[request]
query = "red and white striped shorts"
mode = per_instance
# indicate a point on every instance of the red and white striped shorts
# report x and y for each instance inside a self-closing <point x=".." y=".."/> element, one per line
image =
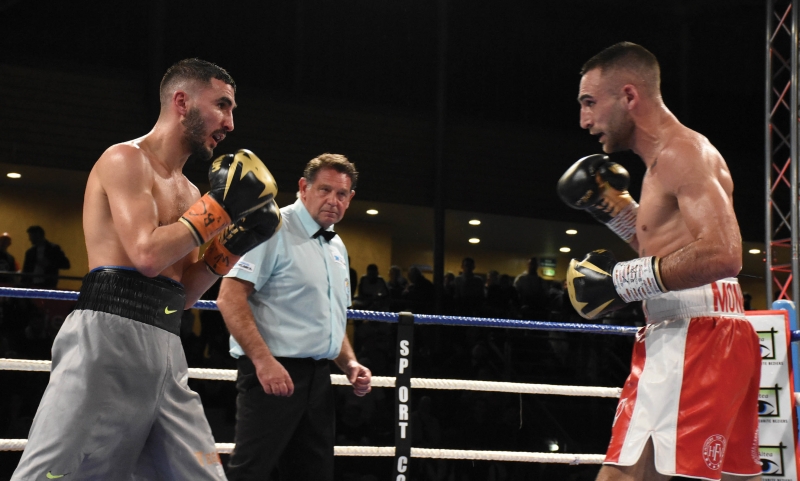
<point x="693" y="387"/>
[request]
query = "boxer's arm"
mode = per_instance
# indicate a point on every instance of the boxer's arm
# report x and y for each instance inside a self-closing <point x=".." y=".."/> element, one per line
<point x="127" y="179"/>
<point x="707" y="211"/>
<point x="196" y="278"/>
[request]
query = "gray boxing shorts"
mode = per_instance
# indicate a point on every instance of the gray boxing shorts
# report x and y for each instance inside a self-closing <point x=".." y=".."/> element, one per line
<point x="118" y="406"/>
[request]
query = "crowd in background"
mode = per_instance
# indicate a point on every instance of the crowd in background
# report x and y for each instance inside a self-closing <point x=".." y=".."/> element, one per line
<point x="446" y="419"/>
<point x="526" y="296"/>
<point x="42" y="263"/>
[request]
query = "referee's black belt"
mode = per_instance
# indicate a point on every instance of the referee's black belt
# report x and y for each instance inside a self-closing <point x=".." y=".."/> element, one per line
<point x="298" y="360"/>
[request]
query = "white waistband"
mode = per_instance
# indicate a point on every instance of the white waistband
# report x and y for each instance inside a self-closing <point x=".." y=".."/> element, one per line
<point x="720" y="298"/>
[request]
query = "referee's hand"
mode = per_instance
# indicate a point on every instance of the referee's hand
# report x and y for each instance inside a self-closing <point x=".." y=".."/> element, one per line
<point x="274" y="378"/>
<point x="360" y="377"/>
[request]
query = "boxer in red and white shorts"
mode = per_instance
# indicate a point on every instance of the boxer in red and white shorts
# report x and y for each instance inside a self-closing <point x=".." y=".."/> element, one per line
<point x="682" y="391"/>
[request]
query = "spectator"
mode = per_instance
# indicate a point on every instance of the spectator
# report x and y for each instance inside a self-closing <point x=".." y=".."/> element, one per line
<point x="566" y="313"/>
<point x="532" y="292"/>
<point x="7" y="261"/>
<point x="43" y="260"/>
<point x="468" y="290"/>
<point x="449" y="293"/>
<point x="397" y="283"/>
<point x="420" y="293"/>
<point x="372" y="291"/>
<point x="495" y="305"/>
<point x="508" y="294"/>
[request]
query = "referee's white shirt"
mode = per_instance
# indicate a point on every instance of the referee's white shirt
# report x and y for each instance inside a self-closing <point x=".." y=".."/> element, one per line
<point x="302" y="289"/>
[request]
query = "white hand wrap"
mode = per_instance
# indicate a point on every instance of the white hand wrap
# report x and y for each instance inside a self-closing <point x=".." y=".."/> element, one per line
<point x="638" y="279"/>
<point x="624" y="224"/>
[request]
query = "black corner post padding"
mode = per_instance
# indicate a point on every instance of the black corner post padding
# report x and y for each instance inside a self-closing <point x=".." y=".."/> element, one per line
<point x="402" y="400"/>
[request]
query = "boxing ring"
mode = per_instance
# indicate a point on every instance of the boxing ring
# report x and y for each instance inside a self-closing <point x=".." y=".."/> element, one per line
<point x="402" y="383"/>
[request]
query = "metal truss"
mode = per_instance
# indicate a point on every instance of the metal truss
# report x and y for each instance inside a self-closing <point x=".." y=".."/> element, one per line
<point x="781" y="151"/>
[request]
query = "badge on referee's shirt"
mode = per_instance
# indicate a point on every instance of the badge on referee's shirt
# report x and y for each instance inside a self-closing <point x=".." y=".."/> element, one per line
<point x="337" y="256"/>
<point x="245" y="266"/>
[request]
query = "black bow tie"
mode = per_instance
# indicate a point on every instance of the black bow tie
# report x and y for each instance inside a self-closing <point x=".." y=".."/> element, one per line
<point x="327" y="234"/>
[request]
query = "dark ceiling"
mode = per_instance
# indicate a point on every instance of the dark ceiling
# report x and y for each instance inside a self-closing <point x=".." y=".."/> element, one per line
<point x="508" y="62"/>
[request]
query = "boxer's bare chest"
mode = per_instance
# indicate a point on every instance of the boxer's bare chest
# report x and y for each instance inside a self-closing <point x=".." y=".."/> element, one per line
<point x="172" y="197"/>
<point x="659" y="227"/>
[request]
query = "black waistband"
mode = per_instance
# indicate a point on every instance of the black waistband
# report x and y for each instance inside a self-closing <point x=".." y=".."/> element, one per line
<point x="127" y="293"/>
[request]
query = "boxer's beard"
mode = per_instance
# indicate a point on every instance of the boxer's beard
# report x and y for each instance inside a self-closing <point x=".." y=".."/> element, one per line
<point x="619" y="132"/>
<point x="195" y="135"/>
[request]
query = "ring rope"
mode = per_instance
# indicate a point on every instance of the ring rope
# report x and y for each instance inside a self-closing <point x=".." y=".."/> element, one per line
<point x="386" y="451"/>
<point x="381" y="381"/>
<point x="388" y="316"/>
<point x="379" y="315"/>
<point x="378" y="381"/>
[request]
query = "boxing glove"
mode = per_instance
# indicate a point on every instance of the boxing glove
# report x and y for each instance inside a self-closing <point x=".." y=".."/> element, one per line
<point x="599" y="284"/>
<point x="240" y="184"/>
<point x="600" y="187"/>
<point x="237" y="239"/>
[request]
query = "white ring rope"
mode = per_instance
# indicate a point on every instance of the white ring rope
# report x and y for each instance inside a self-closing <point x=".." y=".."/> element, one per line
<point x="227" y="448"/>
<point x="378" y="381"/>
<point x="383" y="381"/>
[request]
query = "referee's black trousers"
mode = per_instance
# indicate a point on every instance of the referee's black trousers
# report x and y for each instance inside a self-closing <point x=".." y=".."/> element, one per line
<point x="284" y="438"/>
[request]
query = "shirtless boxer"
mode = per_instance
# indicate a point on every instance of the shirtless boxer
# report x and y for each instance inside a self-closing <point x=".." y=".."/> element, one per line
<point x="118" y="405"/>
<point x="681" y="412"/>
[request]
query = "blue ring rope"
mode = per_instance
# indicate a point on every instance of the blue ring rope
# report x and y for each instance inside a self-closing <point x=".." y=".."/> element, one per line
<point x="388" y="316"/>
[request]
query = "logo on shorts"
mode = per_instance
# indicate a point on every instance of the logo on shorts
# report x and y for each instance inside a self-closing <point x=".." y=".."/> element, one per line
<point x="641" y="334"/>
<point x="208" y="459"/>
<point x="620" y="408"/>
<point x="50" y="475"/>
<point x="727" y="297"/>
<point x="168" y="312"/>
<point x="714" y="451"/>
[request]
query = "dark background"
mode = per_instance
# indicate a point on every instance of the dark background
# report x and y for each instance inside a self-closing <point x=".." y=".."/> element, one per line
<point x="510" y="67"/>
<point x="360" y="77"/>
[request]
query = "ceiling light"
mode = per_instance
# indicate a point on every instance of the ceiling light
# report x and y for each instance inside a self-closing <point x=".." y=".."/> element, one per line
<point x="571" y="232"/>
<point x="474" y="222"/>
<point x="754" y="251"/>
<point x="13" y="175"/>
<point x="474" y="240"/>
<point x="564" y="249"/>
<point x="372" y="212"/>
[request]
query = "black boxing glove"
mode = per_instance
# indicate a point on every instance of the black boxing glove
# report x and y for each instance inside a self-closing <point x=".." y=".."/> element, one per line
<point x="240" y="184"/>
<point x="600" y="187"/>
<point x="599" y="284"/>
<point x="236" y="240"/>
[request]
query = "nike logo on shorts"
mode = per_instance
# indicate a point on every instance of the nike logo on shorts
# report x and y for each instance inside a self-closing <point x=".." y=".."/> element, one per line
<point x="50" y="475"/>
<point x="167" y="311"/>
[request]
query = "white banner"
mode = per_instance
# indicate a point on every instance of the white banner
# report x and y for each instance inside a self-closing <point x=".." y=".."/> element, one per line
<point x="777" y="432"/>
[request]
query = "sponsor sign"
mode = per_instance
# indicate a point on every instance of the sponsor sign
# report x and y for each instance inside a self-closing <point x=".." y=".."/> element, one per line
<point x="777" y="446"/>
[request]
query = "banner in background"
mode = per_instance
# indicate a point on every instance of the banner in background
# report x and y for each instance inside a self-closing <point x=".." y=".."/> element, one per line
<point x="777" y="430"/>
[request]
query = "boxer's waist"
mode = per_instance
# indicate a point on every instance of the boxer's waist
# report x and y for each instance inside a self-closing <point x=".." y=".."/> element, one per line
<point x="127" y="293"/>
<point x="720" y="298"/>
